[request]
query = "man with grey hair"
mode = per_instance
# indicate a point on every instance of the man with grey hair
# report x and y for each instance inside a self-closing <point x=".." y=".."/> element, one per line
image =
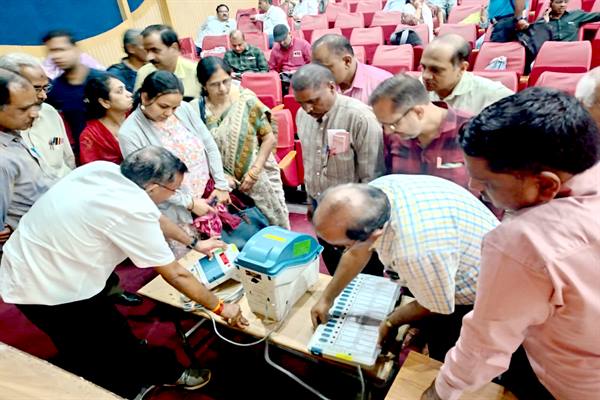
<point x="127" y="69"/>
<point x="588" y="92"/>
<point x="341" y="139"/>
<point x="47" y="136"/>
<point x="427" y="230"/>
<point x="57" y="262"/>
<point x="421" y="135"/>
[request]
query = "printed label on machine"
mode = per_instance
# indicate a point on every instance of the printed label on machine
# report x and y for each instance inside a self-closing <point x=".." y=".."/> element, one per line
<point x="212" y="272"/>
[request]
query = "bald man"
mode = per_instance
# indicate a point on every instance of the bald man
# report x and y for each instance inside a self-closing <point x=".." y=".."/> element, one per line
<point x="588" y="92"/>
<point x="244" y="57"/>
<point x="445" y="62"/>
<point x="426" y="229"/>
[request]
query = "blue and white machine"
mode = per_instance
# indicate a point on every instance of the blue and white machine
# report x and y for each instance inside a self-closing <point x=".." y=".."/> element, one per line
<point x="277" y="267"/>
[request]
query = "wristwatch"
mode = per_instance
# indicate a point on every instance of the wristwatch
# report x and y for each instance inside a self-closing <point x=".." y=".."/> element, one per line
<point x="193" y="244"/>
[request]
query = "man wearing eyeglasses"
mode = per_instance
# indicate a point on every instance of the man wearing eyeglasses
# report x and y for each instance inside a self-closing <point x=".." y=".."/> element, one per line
<point x="47" y="135"/>
<point x="420" y="135"/>
<point x="425" y="229"/>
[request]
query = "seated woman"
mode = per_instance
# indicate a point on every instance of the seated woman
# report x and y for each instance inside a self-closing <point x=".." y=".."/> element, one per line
<point x="565" y="24"/>
<point x="107" y="105"/>
<point x="162" y="119"/>
<point x="241" y="127"/>
<point x="417" y="12"/>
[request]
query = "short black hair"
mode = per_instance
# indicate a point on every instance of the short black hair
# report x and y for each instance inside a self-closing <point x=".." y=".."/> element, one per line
<point x="8" y="78"/>
<point x="167" y="35"/>
<point x="222" y="5"/>
<point x="59" y="33"/>
<point x="207" y="67"/>
<point x="96" y="88"/>
<point x="152" y="164"/>
<point x="531" y="131"/>
<point x="402" y="90"/>
<point x="158" y="83"/>
<point x="336" y="44"/>
<point x="311" y="76"/>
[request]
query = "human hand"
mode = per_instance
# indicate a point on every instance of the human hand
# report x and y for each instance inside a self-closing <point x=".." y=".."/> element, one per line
<point x="5" y="233"/>
<point x="222" y="196"/>
<point x="521" y="25"/>
<point x="232" y="313"/>
<point x="547" y="15"/>
<point x="201" y="207"/>
<point x="387" y="332"/>
<point x="207" y="246"/>
<point x="247" y="183"/>
<point x="319" y="314"/>
<point x="430" y="393"/>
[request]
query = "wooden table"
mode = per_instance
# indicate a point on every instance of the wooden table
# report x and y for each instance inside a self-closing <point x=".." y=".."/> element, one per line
<point x="25" y="377"/>
<point x="295" y="331"/>
<point x="417" y="373"/>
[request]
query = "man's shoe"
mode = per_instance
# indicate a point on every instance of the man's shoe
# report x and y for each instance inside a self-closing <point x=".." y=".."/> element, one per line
<point x="127" y="299"/>
<point x="193" y="379"/>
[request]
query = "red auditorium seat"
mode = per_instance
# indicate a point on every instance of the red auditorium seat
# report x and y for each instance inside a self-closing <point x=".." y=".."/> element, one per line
<point x="510" y="79"/>
<point x="245" y="11"/>
<point x="561" y="57"/>
<point x="459" y="13"/>
<point x="266" y="85"/>
<point x="421" y="29"/>
<point x="394" y="59"/>
<point x="293" y="174"/>
<point x="370" y="38"/>
<point x="368" y="8"/>
<point x="360" y="54"/>
<point x="565" y="81"/>
<point x="210" y="42"/>
<point x="332" y="11"/>
<point x="258" y="39"/>
<point x="346" y="22"/>
<point x="513" y="51"/>
<point x="467" y="31"/>
<point x="188" y="48"/>
<point x="311" y="22"/>
<point x="387" y="20"/>
<point x="318" y="33"/>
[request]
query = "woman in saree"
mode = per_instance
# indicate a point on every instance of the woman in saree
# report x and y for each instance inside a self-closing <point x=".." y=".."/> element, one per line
<point x="107" y="104"/>
<point x="162" y="119"/>
<point x="242" y="128"/>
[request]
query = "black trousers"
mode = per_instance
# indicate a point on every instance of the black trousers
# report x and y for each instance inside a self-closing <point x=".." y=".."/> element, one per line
<point x="95" y="341"/>
<point x="521" y="380"/>
<point x="332" y="255"/>
<point x="441" y="331"/>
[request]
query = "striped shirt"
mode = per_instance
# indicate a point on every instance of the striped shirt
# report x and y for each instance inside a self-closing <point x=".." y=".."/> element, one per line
<point x="363" y="161"/>
<point x="433" y="240"/>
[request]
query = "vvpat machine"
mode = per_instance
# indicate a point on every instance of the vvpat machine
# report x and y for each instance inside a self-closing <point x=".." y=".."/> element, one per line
<point x="277" y="267"/>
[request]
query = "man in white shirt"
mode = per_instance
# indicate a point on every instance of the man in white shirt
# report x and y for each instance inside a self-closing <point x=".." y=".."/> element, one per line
<point x="216" y="26"/>
<point x="47" y="135"/>
<point x="305" y="7"/>
<point x="58" y="260"/>
<point x="272" y="16"/>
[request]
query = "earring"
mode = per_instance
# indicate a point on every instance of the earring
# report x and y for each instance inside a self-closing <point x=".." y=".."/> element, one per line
<point x="143" y="107"/>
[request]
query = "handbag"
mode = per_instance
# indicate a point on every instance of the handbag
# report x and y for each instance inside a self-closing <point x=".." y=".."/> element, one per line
<point x="252" y="221"/>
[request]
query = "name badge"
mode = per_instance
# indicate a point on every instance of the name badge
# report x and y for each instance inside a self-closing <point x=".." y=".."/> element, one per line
<point x="251" y="58"/>
<point x="297" y="53"/>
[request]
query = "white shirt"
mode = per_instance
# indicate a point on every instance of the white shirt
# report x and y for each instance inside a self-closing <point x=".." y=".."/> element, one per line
<point x="425" y="14"/>
<point x="305" y="7"/>
<point x="274" y="16"/>
<point x="72" y="238"/>
<point x="214" y="27"/>
<point x="50" y="140"/>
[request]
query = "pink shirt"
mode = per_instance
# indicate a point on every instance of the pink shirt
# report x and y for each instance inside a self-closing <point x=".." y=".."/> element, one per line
<point x="292" y="58"/>
<point x="539" y="285"/>
<point x="366" y="79"/>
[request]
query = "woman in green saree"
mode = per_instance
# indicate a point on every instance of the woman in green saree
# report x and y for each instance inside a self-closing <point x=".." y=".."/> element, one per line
<point x="242" y="128"/>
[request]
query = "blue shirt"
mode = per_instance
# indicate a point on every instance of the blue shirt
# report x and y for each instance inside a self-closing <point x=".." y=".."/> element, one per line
<point x="433" y="239"/>
<point x="501" y="8"/>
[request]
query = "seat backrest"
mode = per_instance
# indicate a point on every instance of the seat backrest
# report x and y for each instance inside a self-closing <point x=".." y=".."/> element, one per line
<point x="210" y="42"/>
<point x="394" y="59"/>
<point x="368" y="8"/>
<point x="285" y="128"/>
<point x="510" y="79"/>
<point x="421" y="29"/>
<point x="311" y="22"/>
<point x="333" y="9"/>
<point x="566" y="82"/>
<point x="188" y="48"/>
<point x="387" y="20"/>
<point x="347" y="20"/>
<point x="318" y="33"/>
<point x="467" y="31"/>
<point x="370" y="38"/>
<point x="258" y="39"/>
<point x="564" y="53"/>
<point x="596" y="6"/>
<point x="245" y="24"/>
<point x="245" y="12"/>
<point x="360" y="54"/>
<point x="513" y="51"/>
<point x="469" y="13"/>
<point x="263" y="83"/>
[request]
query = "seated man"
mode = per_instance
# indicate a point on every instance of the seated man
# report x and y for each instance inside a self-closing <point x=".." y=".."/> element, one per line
<point x="536" y="313"/>
<point x="271" y="17"/>
<point x="215" y="26"/>
<point x="358" y="157"/>
<point x="162" y="45"/>
<point x="445" y="76"/>
<point x="136" y="57"/>
<point x="426" y="229"/>
<point x="288" y="53"/>
<point x="244" y="57"/>
<point x="303" y="8"/>
<point x="588" y="92"/>
<point x="56" y="264"/>
<point x="47" y="135"/>
<point x="565" y="24"/>
<point x="421" y="135"/>
<point x="355" y="79"/>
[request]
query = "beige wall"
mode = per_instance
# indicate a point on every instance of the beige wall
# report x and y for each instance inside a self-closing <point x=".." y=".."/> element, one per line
<point x="184" y="15"/>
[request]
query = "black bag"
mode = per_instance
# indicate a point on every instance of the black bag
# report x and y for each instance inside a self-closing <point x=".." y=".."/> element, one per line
<point x="253" y="220"/>
<point x="406" y="36"/>
<point x="534" y="37"/>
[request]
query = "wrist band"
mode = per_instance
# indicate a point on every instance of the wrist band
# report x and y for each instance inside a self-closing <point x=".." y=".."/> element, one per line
<point x="193" y="244"/>
<point x="219" y="308"/>
<point x="388" y="323"/>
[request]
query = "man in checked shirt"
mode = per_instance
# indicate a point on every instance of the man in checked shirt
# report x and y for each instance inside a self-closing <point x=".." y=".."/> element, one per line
<point x="341" y="139"/>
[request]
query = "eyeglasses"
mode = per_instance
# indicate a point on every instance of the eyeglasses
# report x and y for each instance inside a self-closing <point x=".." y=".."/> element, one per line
<point x="45" y="88"/>
<point x="168" y="188"/>
<point x="215" y="85"/>
<point x="395" y="124"/>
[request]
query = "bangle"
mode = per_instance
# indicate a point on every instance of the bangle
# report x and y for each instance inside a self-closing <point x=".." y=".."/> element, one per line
<point x="219" y="308"/>
<point x="253" y="175"/>
<point x="388" y="323"/>
<point x="193" y="205"/>
<point x="193" y="243"/>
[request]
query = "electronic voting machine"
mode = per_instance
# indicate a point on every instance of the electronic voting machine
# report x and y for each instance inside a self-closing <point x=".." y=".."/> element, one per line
<point x="351" y="334"/>
<point x="216" y="270"/>
<point x="277" y="267"/>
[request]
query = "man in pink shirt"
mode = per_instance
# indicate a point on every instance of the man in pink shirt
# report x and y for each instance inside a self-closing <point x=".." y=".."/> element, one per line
<point x="354" y="78"/>
<point x="534" y="153"/>
<point x="288" y="53"/>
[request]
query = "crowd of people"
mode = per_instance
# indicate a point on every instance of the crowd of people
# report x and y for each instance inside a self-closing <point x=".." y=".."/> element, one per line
<point x="481" y="203"/>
